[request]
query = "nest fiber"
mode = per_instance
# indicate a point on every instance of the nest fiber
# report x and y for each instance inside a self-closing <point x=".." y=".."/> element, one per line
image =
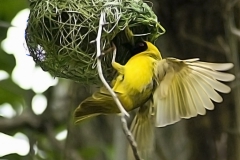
<point x="60" y="32"/>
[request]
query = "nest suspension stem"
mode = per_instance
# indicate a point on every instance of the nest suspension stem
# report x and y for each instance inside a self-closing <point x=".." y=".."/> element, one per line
<point x="99" y="67"/>
<point x="122" y="110"/>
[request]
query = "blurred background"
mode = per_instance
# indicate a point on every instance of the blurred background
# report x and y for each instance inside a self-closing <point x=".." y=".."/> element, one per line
<point x="36" y="110"/>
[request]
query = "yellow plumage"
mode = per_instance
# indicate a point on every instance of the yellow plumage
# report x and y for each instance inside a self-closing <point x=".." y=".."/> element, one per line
<point x="166" y="90"/>
<point x="133" y="86"/>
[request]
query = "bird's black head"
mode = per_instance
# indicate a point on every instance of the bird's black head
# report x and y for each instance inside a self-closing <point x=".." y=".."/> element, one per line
<point x="138" y="47"/>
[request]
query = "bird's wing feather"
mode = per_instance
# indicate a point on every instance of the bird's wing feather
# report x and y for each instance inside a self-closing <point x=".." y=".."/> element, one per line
<point x="187" y="88"/>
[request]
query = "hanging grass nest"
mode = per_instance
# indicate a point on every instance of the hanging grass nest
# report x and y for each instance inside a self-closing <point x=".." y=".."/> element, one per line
<point x="60" y="32"/>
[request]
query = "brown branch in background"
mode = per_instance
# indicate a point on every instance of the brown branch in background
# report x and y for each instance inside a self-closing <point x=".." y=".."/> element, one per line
<point x="4" y="24"/>
<point x="122" y="110"/>
<point x="230" y="5"/>
<point x="233" y="42"/>
<point x="36" y="123"/>
<point x="235" y="31"/>
<point x="200" y="41"/>
<point x="27" y="118"/>
<point x="232" y="25"/>
<point x="225" y="47"/>
<point x="70" y="152"/>
<point x="51" y="137"/>
<point x="227" y="51"/>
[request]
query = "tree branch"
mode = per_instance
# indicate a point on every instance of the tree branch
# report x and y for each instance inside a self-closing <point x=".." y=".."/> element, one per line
<point x="99" y="67"/>
<point x="4" y="24"/>
<point x="200" y="41"/>
<point x="51" y="136"/>
<point x="233" y="43"/>
<point x="232" y="25"/>
<point x="27" y="118"/>
<point x="122" y="110"/>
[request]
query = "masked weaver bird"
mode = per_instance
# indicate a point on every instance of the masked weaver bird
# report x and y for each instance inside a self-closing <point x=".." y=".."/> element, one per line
<point x="164" y="90"/>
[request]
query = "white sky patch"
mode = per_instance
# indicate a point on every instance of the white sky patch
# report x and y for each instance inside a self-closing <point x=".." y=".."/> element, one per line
<point x="25" y="74"/>
<point x="7" y="111"/>
<point x="61" y="135"/>
<point x="18" y="144"/>
<point x="3" y="75"/>
<point x="21" y="136"/>
<point x="41" y="80"/>
<point x="39" y="104"/>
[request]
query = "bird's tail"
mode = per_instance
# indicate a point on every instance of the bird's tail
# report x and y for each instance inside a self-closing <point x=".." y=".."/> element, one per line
<point x="101" y="102"/>
<point x="142" y="129"/>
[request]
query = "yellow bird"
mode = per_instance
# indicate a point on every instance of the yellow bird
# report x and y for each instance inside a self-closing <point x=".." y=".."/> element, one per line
<point x="134" y="85"/>
<point x="166" y="90"/>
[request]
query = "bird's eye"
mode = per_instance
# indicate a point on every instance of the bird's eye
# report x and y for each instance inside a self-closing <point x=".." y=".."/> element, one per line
<point x="139" y="47"/>
<point x="141" y="44"/>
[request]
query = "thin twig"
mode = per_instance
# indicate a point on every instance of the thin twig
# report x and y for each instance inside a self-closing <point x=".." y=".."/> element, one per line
<point x="4" y="24"/>
<point x="99" y="67"/>
<point x="122" y="110"/>
<point x="130" y="138"/>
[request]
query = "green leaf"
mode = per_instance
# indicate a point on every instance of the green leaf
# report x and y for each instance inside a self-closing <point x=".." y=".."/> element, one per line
<point x="12" y="156"/>
<point x="7" y="62"/>
<point x="9" y="8"/>
<point x="11" y="93"/>
<point x="90" y="152"/>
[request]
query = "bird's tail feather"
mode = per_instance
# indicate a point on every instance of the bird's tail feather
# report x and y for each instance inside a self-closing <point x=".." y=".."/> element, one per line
<point x="142" y="129"/>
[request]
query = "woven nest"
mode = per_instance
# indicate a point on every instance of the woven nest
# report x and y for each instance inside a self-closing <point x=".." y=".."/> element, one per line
<point x="59" y="33"/>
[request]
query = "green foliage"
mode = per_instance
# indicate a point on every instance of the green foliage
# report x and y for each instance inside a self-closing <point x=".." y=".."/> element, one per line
<point x="11" y="93"/>
<point x="7" y="62"/>
<point x="90" y="152"/>
<point x="13" y="156"/>
<point x="9" y="8"/>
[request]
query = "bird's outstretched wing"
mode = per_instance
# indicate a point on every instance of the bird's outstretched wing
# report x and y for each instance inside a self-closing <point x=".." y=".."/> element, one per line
<point x="187" y="88"/>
